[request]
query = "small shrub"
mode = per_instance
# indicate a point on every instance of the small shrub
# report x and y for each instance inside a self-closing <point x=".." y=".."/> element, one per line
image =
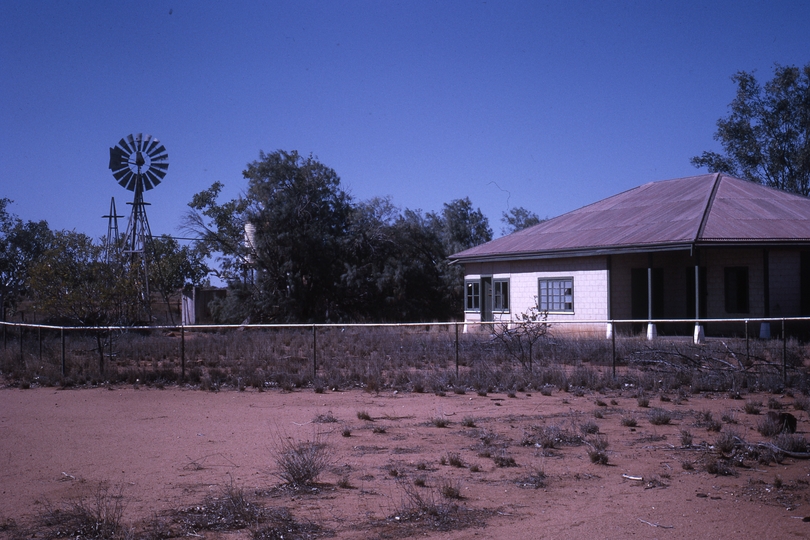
<point x="597" y="450"/>
<point x="454" y="460"/>
<point x="600" y="403"/>
<point x="440" y="422"/>
<point x="589" y="428"/>
<point x="475" y="468"/>
<point x="546" y="389"/>
<point x="629" y="421"/>
<point x="379" y="430"/>
<point x="504" y="461"/>
<point x="450" y="490"/>
<point x="598" y="414"/>
<point x="660" y="417"/>
<point x="768" y="427"/>
<point x="643" y="401"/>
<point x="790" y="442"/>
<point x="686" y="438"/>
<point x="752" y="407"/>
<point x="725" y="442"/>
<point x="300" y="463"/>
<point x="420" y="481"/>
<point x="536" y="480"/>
<point x="422" y="466"/>
<point x="719" y="467"/>
<point x="98" y="517"/>
<point x="777" y="482"/>
<point x="801" y="403"/>
<point x="687" y="465"/>
<point x="459" y="390"/>
<point x="482" y="392"/>
<point x="327" y="418"/>
<point x="363" y="415"/>
<point x="344" y="482"/>
<point x="347" y="432"/>
<point x="468" y="421"/>
<point x="774" y="404"/>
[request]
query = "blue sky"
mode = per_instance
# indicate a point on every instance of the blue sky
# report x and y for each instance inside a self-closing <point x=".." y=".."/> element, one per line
<point x="545" y="105"/>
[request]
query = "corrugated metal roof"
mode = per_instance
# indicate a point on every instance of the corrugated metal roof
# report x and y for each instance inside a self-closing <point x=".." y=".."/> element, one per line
<point x="662" y="215"/>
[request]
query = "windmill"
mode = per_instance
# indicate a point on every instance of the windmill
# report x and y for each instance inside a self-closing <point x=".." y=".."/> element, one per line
<point x="138" y="163"/>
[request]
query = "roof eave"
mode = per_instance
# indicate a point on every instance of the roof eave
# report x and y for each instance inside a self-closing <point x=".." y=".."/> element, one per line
<point x="639" y="248"/>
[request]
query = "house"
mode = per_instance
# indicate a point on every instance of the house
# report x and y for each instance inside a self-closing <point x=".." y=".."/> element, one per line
<point x="702" y="247"/>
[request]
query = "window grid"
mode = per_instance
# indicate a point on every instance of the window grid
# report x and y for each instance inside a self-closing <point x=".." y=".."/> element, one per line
<point x="500" y="295"/>
<point x="472" y="295"/>
<point x="556" y="295"/>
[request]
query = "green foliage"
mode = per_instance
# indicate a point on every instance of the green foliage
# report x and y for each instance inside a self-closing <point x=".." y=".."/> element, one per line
<point x="517" y="219"/>
<point x="766" y="137"/>
<point x="21" y="243"/>
<point x="174" y="267"/>
<point x="318" y="256"/>
<point x="71" y="283"/>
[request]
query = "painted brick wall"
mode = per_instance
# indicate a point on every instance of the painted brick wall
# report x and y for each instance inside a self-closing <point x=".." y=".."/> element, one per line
<point x="590" y="287"/>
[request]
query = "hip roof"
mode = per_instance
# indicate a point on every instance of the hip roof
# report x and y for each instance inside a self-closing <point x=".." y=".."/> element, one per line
<point x="711" y="209"/>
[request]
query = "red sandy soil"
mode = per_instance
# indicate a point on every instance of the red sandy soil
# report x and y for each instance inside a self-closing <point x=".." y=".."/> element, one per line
<point x="168" y="450"/>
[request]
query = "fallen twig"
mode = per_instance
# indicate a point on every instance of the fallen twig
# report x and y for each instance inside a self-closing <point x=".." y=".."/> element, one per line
<point x="651" y="524"/>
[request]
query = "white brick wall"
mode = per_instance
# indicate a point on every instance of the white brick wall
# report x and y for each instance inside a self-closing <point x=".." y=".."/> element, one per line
<point x="590" y="287"/>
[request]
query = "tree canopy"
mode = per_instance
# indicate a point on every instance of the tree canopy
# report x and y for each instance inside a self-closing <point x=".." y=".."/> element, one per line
<point x="21" y="244"/>
<point x="766" y="136"/>
<point x="295" y="247"/>
<point x="517" y="219"/>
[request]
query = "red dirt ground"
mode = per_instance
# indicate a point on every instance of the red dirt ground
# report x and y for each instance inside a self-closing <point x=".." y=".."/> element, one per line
<point x="169" y="449"/>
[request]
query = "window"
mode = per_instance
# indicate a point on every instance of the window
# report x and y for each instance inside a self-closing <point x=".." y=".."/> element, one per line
<point x="500" y="295"/>
<point x="556" y="295"/>
<point x="472" y="295"/>
<point x="736" y="286"/>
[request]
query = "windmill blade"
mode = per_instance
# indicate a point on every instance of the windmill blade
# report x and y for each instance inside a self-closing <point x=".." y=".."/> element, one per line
<point x="117" y="159"/>
<point x="152" y="144"/>
<point x="153" y="179"/>
<point x="146" y="183"/>
<point x="129" y="181"/>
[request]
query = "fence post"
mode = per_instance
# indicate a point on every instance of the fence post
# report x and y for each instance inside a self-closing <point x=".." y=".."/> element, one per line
<point x="182" y="353"/>
<point x="456" y="350"/>
<point x="747" y="346"/>
<point x="613" y="339"/>
<point x="39" y="339"/>
<point x="101" y="356"/>
<point x="784" y="354"/>
<point x="22" y="358"/>
<point x="64" y="366"/>
<point x="314" y="351"/>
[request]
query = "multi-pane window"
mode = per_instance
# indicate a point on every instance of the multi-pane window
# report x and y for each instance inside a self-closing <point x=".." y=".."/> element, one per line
<point x="500" y="295"/>
<point x="472" y="296"/>
<point x="736" y="285"/>
<point x="556" y="294"/>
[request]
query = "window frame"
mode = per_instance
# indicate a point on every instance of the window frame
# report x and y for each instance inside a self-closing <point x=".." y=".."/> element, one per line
<point x="551" y="305"/>
<point x="472" y="291"/>
<point x="498" y="283"/>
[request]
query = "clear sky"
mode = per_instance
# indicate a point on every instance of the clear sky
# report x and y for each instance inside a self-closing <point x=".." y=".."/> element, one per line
<point x="545" y="105"/>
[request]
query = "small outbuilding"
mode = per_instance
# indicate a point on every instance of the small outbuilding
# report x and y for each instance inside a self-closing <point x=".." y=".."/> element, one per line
<point x="688" y="249"/>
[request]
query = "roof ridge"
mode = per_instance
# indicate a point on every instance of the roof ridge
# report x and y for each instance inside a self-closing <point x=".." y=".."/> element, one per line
<point x="708" y="209"/>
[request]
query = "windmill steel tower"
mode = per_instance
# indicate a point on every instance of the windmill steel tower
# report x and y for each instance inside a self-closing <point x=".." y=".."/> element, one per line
<point x="139" y="163"/>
